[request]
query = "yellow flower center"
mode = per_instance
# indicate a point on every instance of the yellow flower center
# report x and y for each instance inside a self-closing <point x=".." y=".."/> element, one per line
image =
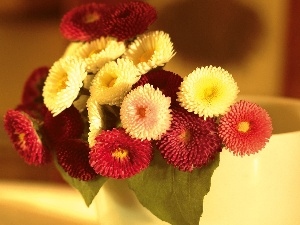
<point x="146" y="56"/>
<point x="91" y="17"/>
<point x="95" y="51"/>
<point x="21" y="140"/>
<point x="185" y="136"/>
<point x="243" y="126"/>
<point x="120" y="154"/>
<point x="110" y="80"/>
<point x="62" y="83"/>
<point x="210" y="93"/>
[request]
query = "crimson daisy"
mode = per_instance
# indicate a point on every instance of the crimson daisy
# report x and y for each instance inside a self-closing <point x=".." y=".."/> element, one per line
<point x="167" y="81"/>
<point x="24" y="134"/>
<point x="246" y="128"/>
<point x="115" y="154"/>
<point x="73" y="156"/>
<point x="68" y="124"/>
<point x="85" y="22"/>
<point x="190" y="142"/>
<point x="129" y="19"/>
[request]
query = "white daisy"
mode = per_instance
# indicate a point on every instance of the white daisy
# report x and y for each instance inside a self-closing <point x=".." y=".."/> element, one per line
<point x="100" y="51"/>
<point x="208" y="91"/>
<point x="150" y="50"/>
<point x="113" y="81"/>
<point x="95" y="117"/>
<point x="63" y="83"/>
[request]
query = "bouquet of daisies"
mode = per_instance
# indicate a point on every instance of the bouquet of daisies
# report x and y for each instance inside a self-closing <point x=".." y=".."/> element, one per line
<point x="107" y="109"/>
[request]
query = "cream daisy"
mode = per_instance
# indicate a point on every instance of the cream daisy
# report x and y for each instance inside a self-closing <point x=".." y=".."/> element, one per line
<point x="100" y="51"/>
<point x="145" y="113"/>
<point x="208" y="91"/>
<point x="72" y="48"/>
<point x="63" y="83"/>
<point x="150" y="50"/>
<point x="95" y="117"/>
<point x="114" y="81"/>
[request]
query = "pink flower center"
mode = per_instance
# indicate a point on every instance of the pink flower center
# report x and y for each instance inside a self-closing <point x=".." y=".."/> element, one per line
<point x="120" y="154"/>
<point x="243" y="126"/>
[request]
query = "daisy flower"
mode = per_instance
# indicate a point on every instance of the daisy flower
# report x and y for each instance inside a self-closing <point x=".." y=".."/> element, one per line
<point x="191" y="142"/>
<point x="145" y="113"/>
<point x="113" y="81"/>
<point x="150" y="50"/>
<point x="168" y="82"/>
<point x="63" y="83"/>
<point x="100" y="51"/>
<point x="84" y="23"/>
<point x="208" y="91"/>
<point x="119" y="156"/>
<point x="68" y="124"/>
<point x="95" y="117"/>
<point x="128" y="19"/>
<point x="73" y="156"/>
<point x="246" y="128"/>
<point x="24" y="134"/>
<point x="33" y="88"/>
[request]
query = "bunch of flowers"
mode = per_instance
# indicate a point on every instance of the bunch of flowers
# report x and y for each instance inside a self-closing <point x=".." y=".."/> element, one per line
<point x="108" y="109"/>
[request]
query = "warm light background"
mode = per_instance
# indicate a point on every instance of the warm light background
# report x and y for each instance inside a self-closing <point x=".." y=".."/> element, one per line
<point x="246" y="37"/>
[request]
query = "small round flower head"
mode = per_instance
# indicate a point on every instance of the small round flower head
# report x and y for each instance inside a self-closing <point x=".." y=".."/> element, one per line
<point x="84" y="23"/>
<point x="33" y="88"/>
<point x="246" y="128"/>
<point x="145" y="113"/>
<point x="95" y="117"/>
<point x="73" y="156"/>
<point x="150" y="50"/>
<point x="113" y="81"/>
<point x="100" y="51"/>
<point x="119" y="156"/>
<point x="63" y="83"/>
<point x="168" y="82"/>
<point x="191" y="142"/>
<point x="68" y="124"/>
<point x="208" y="91"/>
<point x="25" y="138"/>
<point x="129" y="19"/>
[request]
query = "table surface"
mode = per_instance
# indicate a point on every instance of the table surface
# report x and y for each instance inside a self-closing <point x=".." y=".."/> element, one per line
<point x="38" y="203"/>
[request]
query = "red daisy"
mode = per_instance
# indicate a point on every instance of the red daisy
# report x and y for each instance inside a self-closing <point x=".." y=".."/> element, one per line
<point x="73" y="156"/>
<point x="129" y="19"/>
<point x="190" y="142"/>
<point x="26" y="140"/>
<point x="85" y="22"/>
<point x="68" y="124"/>
<point x="168" y="82"/>
<point x="246" y="128"/>
<point x="119" y="156"/>
<point x="33" y="88"/>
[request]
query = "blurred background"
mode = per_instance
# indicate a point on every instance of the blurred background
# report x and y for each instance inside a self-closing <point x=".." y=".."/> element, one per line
<point x="258" y="42"/>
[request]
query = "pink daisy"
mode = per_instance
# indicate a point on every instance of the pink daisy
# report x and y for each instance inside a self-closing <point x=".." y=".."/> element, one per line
<point x="246" y="128"/>
<point x="84" y="23"/>
<point x="190" y="142"/>
<point x="26" y="140"/>
<point x="129" y="19"/>
<point x="117" y="155"/>
<point x="68" y="124"/>
<point x="73" y="156"/>
<point x="168" y="82"/>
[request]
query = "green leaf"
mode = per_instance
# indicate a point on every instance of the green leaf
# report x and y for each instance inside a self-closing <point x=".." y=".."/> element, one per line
<point x="172" y="195"/>
<point x="88" y="189"/>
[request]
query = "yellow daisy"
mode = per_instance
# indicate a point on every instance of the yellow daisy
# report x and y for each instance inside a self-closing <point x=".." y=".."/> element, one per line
<point x="208" y="91"/>
<point x="63" y="83"/>
<point x="113" y="81"/>
<point x="150" y="50"/>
